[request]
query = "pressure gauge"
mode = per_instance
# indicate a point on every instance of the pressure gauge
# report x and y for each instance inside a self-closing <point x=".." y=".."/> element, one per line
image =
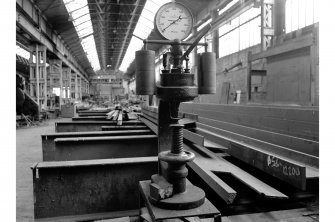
<point x="174" y="21"/>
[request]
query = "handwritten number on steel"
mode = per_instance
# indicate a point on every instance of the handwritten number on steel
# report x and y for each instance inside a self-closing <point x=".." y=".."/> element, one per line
<point x="287" y="170"/>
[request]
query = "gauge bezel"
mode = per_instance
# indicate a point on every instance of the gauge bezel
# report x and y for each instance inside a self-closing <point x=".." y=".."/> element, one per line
<point x="166" y="5"/>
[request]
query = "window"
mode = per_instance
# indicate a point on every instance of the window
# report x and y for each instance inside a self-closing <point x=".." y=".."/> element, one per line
<point x="240" y="33"/>
<point x="22" y="52"/>
<point x="300" y="13"/>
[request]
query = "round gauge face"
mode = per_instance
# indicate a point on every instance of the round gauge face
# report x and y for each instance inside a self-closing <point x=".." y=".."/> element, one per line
<point x="174" y="21"/>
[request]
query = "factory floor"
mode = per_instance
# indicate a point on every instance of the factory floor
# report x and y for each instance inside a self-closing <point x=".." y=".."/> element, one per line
<point x="28" y="152"/>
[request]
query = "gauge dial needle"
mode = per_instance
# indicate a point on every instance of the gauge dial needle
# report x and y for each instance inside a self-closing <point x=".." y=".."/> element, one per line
<point x="179" y="18"/>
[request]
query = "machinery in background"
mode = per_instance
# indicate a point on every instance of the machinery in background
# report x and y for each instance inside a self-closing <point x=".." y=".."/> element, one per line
<point x="26" y="108"/>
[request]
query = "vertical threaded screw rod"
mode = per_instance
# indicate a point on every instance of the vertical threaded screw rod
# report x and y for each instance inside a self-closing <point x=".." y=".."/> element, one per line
<point x="177" y="138"/>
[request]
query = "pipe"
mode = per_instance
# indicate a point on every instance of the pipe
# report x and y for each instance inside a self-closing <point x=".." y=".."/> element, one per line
<point x="196" y="41"/>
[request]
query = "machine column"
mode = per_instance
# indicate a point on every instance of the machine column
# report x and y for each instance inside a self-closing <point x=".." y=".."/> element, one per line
<point x="80" y="90"/>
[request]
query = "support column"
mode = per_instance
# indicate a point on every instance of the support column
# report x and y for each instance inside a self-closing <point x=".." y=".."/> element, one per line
<point x="61" y="86"/>
<point x="31" y="75"/>
<point x="279" y="17"/>
<point x="266" y="23"/>
<point x="85" y="86"/>
<point x="76" y="87"/>
<point x="194" y="54"/>
<point x="51" y="88"/>
<point x="66" y="77"/>
<point x="81" y="89"/>
<point x="65" y="84"/>
<point x="55" y="71"/>
<point x="70" y="84"/>
<point x="215" y="34"/>
<point x="37" y="74"/>
<point x="45" y="77"/>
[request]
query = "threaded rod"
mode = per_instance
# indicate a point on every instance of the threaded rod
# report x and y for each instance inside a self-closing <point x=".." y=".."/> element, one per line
<point x="177" y="138"/>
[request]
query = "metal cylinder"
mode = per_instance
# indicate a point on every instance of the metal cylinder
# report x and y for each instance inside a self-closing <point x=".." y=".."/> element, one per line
<point x="207" y="73"/>
<point x="172" y="79"/>
<point x="145" y="72"/>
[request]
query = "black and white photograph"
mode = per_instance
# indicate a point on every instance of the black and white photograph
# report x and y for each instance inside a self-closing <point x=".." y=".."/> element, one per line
<point x="167" y="110"/>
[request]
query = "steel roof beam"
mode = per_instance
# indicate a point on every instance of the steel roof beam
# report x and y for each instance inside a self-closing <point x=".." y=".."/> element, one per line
<point x="52" y="46"/>
<point x="123" y="46"/>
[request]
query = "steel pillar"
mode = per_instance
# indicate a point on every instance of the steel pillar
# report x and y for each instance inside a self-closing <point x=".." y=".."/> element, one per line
<point x="215" y="34"/>
<point x="76" y="87"/>
<point x="45" y="77"/>
<point x="37" y="76"/>
<point x="38" y="81"/>
<point x="266" y="23"/>
<point x="66" y="81"/>
<point x="81" y="89"/>
<point x="54" y="74"/>
<point x="31" y="75"/>
<point x="70" y="85"/>
<point x="61" y="87"/>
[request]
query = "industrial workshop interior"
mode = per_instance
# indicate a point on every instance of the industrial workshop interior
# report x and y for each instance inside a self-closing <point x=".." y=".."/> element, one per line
<point x="167" y="110"/>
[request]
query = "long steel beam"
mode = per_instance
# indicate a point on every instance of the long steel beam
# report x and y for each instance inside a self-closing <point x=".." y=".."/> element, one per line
<point x="49" y="145"/>
<point x="66" y="188"/>
<point x="90" y="118"/>
<point x="205" y="166"/>
<point x="81" y="126"/>
<point x="294" y="121"/>
<point x="287" y="164"/>
<point x="105" y="147"/>
<point x="91" y="114"/>
<point x="295" y="143"/>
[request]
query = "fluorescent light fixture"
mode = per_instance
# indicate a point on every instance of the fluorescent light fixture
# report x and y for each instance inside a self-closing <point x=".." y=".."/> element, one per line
<point x="80" y="16"/>
<point x="142" y="30"/>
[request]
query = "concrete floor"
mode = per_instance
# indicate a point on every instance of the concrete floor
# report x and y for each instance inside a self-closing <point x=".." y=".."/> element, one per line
<point x="28" y="152"/>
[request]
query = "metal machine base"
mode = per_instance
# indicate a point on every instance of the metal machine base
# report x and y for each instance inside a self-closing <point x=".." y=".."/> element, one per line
<point x="206" y="210"/>
<point x="193" y="197"/>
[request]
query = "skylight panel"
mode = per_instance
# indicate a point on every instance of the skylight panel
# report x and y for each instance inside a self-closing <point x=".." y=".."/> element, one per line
<point x="79" y="12"/>
<point x="80" y="16"/>
<point x="85" y="31"/>
<point x="228" y="6"/>
<point x="22" y="52"/>
<point x="80" y="19"/>
<point x="83" y="26"/>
